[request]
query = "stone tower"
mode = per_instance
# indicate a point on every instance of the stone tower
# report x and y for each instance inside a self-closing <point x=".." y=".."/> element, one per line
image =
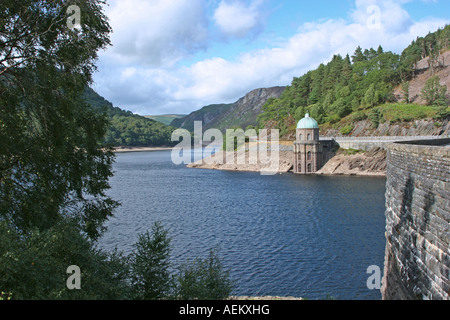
<point x="307" y="148"/>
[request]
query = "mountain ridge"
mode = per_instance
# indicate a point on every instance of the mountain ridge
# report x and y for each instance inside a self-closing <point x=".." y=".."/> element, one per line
<point x="242" y="113"/>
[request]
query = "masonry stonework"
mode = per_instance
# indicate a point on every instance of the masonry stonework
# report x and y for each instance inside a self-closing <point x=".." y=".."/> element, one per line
<point x="417" y="262"/>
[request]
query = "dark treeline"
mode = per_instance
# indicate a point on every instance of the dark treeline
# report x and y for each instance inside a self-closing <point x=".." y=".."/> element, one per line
<point x="126" y="128"/>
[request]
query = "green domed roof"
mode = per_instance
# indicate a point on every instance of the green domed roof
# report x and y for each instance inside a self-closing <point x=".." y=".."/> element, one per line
<point x="307" y="123"/>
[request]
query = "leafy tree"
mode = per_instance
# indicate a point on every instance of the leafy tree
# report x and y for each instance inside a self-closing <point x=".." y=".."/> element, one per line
<point x="54" y="167"/>
<point x="299" y="113"/>
<point x="405" y="91"/>
<point x="204" y="279"/>
<point x="434" y="93"/>
<point x="318" y="113"/>
<point x="51" y="165"/>
<point x="375" y="117"/>
<point x="151" y="278"/>
<point x="347" y="129"/>
<point x="358" y="56"/>
<point x="370" y="98"/>
<point x="36" y="268"/>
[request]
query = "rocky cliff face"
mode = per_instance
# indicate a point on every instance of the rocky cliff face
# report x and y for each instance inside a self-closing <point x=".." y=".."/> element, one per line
<point x="424" y="127"/>
<point x="423" y="73"/>
<point x="245" y="111"/>
<point x="206" y="115"/>
<point x="242" y="113"/>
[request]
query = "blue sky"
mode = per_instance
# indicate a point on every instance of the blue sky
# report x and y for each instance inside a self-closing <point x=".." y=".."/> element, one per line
<point x="175" y="56"/>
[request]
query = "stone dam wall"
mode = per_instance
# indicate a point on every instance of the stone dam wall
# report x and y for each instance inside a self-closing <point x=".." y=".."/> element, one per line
<point x="417" y="262"/>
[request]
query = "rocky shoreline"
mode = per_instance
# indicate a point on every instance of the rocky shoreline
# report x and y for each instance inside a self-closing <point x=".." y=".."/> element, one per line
<point x="369" y="163"/>
<point x="252" y="163"/>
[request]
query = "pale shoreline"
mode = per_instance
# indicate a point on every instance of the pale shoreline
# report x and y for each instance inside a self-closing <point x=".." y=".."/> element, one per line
<point x="371" y="163"/>
<point x="339" y="165"/>
<point x="140" y="149"/>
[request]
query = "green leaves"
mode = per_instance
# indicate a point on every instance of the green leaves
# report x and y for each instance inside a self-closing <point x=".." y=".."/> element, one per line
<point x="151" y="278"/>
<point x="125" y="128"/>
<point x="34" y="267"/>
<point x="434" y="93"/>
<point x="204" y="279"/>
<point x="50" y="162"/>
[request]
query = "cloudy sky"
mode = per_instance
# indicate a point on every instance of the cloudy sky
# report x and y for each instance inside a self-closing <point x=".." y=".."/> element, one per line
<point x="175" y="56"/>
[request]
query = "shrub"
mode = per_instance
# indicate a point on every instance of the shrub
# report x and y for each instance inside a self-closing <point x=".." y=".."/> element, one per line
<point x="204" y="279"/>
<point x="434" y="93"/>
<point x="359" y="116"/>
<point x="150" y="277"/>
<point x="34" y="266"/>
<point x="347" y="129"/>
<point x="442" y="114"/>
<point x="333" y="119"/>
<point x="374" y="117"/>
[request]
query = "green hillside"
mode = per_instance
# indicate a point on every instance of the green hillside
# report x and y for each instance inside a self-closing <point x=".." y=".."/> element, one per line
<point x="128" y="129"/>
<point x="352" y="87"/>
<point x="166" y="118"/>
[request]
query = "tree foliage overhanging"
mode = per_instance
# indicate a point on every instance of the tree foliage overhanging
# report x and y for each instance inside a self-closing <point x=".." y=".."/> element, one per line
<point x="362" y="81"/>
<point x="51" y="165"/>
<point x="54" y="166"/>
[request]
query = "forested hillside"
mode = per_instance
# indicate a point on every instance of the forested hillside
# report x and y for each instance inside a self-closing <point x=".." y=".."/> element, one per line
<point x="126" y="128"/>
<point x="354" y="86"/>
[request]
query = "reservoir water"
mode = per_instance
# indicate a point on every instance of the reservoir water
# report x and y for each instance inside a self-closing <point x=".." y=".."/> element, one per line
<point x="283" y="235"/>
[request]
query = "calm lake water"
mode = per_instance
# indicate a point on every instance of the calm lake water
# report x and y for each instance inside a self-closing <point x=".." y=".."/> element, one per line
<point x="285" y="235"/>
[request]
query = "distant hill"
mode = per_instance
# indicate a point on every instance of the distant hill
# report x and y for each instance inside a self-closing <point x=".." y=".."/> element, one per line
<point x="129" y="129"/>
<point x="206" y="114"/>
<point x="166" y="118"/>
<point x="242" y="113"/>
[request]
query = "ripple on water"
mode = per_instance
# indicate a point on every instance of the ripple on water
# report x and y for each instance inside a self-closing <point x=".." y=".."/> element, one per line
<point x="283" y="235"/>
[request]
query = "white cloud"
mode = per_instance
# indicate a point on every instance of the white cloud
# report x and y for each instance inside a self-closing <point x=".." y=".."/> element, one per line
<point x="172" y="89"/>
<point x="157" y="32"/>
<point x="237" y="19"/>
<point x="383" y="14"/>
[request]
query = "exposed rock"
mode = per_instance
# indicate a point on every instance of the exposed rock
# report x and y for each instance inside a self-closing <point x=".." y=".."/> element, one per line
<point x="423" y="73"/>
<point x="247" y="109"/>
<point x="242" y="113"/>
<point x="424" y="127"/>
<point x="220" y="162"/>
<point x="372" y="162"/>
